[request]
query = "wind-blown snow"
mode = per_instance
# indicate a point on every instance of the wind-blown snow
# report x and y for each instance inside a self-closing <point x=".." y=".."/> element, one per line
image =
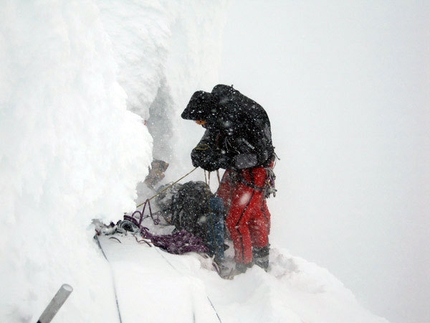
<point x="78" y="79"/>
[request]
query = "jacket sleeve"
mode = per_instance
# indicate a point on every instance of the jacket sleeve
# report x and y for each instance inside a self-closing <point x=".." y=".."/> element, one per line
<point x="245" y="154"/>
<point x="208" y="155"/>
<point x="246" y="150"/>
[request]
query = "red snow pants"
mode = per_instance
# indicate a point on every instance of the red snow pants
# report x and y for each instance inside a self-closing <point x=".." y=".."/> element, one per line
<point x="248" y="218"/>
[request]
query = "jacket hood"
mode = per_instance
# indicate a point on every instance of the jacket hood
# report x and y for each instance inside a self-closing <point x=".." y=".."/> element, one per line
<point x="200" y="107"/>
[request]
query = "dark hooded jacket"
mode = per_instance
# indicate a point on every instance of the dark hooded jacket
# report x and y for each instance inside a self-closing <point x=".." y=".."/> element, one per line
<point x="238" y="133"/>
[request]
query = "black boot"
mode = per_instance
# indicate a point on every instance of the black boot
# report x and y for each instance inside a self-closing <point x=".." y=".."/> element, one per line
<point x="261" y="257"/>
<point x="242" y="268"/>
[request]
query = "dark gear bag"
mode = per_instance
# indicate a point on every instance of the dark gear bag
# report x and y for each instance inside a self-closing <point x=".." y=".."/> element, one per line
<point x="194" y="208"/>
<point x="190" y="208"/>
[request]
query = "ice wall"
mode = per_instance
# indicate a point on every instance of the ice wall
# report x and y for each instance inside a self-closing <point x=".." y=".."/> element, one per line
<point x="165" y="50"/>
<point x="78" y="80"/>
<point x="67" y="154"/>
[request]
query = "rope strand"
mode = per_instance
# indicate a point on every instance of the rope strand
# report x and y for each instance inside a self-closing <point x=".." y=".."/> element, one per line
<point x="166" y="188"/>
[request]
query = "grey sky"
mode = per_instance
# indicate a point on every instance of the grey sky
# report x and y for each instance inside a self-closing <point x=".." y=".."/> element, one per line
<point x="347" y="86"/>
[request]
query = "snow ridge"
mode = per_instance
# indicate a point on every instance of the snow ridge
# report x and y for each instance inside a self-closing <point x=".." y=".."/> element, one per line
<point x="77" y="81"/>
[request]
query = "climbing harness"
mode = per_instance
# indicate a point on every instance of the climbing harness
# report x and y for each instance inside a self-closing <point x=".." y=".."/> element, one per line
<point x="268" y="188"/>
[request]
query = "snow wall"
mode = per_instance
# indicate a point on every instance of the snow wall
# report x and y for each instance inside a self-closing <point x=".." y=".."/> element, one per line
<point x="71" y="150"/>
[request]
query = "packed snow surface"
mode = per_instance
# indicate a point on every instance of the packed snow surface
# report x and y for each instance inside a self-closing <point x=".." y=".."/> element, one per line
<point x="157" y="286"/>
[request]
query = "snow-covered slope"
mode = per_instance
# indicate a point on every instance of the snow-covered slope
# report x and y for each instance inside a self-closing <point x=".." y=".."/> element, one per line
<point x="155" y="286"/>
<point x="70" y="151"/>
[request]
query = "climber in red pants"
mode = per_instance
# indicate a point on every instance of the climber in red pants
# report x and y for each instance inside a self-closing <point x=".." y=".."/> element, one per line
<point x="248" y="218"/>
<point x="238" y="139"/>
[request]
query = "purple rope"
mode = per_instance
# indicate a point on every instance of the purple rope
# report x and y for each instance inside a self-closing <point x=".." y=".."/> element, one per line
<point x="177" y="243"/>
<point x="141" y="214"/>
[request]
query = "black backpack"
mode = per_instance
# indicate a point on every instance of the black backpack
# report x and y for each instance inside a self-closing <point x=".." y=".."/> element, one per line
<point x="186" y="206"/>
<point x="230" y="112"/>
<point x="248" y="118"/>
<point x="194" y="208"/>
